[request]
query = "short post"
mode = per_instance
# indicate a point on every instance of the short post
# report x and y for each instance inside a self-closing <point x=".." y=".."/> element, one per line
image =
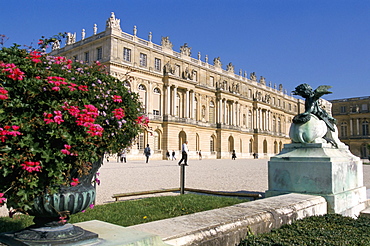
<point x="182" y="179"/>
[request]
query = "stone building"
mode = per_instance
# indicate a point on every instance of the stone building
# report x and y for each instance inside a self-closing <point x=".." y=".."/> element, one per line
<point x="188" y="98"/>
<point x="353" y="117"/>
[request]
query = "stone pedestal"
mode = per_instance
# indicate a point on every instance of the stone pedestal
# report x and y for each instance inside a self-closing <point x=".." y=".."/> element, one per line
<point x="319" y="169"/>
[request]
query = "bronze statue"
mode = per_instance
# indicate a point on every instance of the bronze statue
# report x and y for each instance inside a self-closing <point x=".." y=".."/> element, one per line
<point x="312" y="104"/>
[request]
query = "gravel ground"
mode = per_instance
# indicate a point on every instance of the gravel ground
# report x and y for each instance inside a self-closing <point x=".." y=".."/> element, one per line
<point x="245" y="175"/>
<point x="216" y="175"/>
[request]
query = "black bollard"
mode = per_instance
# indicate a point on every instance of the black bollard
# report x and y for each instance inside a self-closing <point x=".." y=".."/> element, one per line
<point x="182" y="179"/>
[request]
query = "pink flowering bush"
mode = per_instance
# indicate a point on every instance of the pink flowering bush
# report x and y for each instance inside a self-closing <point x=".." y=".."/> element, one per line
<point x="57" y="117"/>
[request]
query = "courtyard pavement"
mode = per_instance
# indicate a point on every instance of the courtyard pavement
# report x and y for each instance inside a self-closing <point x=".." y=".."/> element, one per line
<point x="242" y="175"/>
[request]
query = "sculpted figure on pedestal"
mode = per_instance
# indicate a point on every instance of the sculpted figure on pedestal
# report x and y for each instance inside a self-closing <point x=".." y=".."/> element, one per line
<point x="315" y="123"/>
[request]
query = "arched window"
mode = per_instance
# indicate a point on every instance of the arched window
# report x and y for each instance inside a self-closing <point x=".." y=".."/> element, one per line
<point x="182" y="139"/>
<point x="365" y="128"/>
<point x="276" y="150"/>
<point x="211" y="112"/>
<point x="156" y="101"/>
<point x="250" y="119"/>
<point x="143" y="96"/>
<point x="212" y="142"/>
<point x="195" y="108"/>
<point x="343" y="129"/>
<point x="279" y="125"/>
<point x="157" y="140"/>
<point x="197" y="142"/>
<point x="231" y="143"/>
<point x="127" y="85"/>
<point x="280" y="146"/>
<point x="251" y="145"/>
<point x="364" y="151"/>
<point x="265" y="146"/>
<point x="241" y="146"/>
<point x="274" y="124"/>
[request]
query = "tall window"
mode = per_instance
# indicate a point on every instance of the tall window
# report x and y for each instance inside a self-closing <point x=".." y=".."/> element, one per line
<point x="195" y="75"/>
<point x="195" y="108"/>
<point x="127" y="54"/>
<point x="343" y="109"/>
<point x="365" y="128"/>
<point x="99" y="53"/>
<point x="143" y="59"/>
<point x="156" y="101"/>
<point x="143" y="95"/>
<point x="177" y="70"/>
<point x="87" y="57"/>
<point x="157" y="64"/>
<point x="250" y="125"/>
<point x="212" y="81"/>
<point x="343" y="129"/>
<point x="211" y="112"/>
<point x="212" y="144"/>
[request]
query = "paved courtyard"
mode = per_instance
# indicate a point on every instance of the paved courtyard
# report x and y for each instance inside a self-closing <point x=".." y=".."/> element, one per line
<point x="246" y="175"/>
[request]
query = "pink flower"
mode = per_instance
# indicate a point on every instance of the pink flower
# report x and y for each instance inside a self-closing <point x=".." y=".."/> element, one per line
<point x="117" y="98"/>
<point x="66" y="152"/>
<point x="143" y="120"/>
<point x="75" y="182"/>
<point x="2" y="199"/>
<point x="31" y="166"/>
<point x="91" y="206"/>
<point x="119" y="113"/>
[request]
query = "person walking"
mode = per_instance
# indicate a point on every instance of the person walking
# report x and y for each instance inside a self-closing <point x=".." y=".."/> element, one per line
<point x="173" y="155"/>
<point x="184" y="152"/>
<point x="123" y="156"/>
<point x="147" y="153"/>
<point x="168" y="155"/>
<point x="233" y="155"/>
<point x="200" y="155"/>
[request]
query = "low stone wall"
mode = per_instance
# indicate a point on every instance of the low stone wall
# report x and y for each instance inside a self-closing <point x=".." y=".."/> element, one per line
<point x="227" y="226"/>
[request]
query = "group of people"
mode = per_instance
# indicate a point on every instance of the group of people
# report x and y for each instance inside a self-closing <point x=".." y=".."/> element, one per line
<point x="121" y="156"/>
<point x="173" y="155"/>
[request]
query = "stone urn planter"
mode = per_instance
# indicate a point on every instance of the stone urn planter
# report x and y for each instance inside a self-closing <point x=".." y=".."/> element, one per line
<point x="52" y="213"/>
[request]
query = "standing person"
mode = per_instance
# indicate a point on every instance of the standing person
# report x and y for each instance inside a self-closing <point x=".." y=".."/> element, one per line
<point x="168" y="155"/>
<point x="147" y="153"/>
<point x="200" y="155"/>
<point x="184" y="152"/>
<point x="233" y="155"/>
<point x="123" y="156"/>
<point x="173" y="155"/>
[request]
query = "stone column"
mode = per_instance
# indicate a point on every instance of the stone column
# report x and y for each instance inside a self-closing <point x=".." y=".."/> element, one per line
<point x="186" y="108"/>
<point x="225" y="112"/>
<point x="174" y="101"/>
<point x="168" y="100"/>
<point x="192" y="105"/>
<point x="358" y="127"/>
<point x="219" y="110"/>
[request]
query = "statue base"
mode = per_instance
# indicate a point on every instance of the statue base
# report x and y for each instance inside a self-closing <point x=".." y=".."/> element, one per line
<point x="319" y="169"/>
<point x="67" y="234"/>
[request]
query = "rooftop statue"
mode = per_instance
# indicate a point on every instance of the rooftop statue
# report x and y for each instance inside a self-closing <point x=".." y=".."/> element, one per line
<point x="315" y="124"/>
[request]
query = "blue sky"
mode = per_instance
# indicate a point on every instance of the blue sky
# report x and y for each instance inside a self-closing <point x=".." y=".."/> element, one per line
<point x="288" y="42"/>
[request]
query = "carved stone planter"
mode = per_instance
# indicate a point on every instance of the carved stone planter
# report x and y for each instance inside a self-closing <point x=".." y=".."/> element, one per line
<point x="51" y="214"/>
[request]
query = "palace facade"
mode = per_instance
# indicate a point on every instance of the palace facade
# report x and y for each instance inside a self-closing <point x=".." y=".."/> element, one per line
<point x="353" y="117"/>
<point x="188" y="98"/>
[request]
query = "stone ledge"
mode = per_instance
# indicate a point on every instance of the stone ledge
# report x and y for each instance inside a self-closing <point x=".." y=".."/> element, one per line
<point x="226" y="226"/>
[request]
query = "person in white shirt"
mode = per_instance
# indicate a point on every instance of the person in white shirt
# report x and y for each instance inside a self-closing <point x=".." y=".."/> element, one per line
<point x="184" y="152"/>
